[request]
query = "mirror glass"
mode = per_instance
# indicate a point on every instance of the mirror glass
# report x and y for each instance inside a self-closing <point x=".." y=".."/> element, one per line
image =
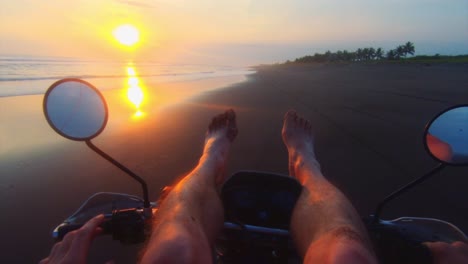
<point x="75" y="109"/>
<point x="447" y="136"/>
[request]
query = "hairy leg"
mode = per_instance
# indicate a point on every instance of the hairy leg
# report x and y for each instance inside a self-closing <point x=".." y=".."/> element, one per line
<point x="190" y="217"/>
<point x="325" y="226"/>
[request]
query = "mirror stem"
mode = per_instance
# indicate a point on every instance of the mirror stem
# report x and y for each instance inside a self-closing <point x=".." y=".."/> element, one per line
<point x="405" y="188"/>
<point x="125" y="169"/>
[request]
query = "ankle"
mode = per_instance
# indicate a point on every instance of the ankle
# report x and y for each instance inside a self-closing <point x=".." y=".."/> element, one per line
<point x="302" y="166"/>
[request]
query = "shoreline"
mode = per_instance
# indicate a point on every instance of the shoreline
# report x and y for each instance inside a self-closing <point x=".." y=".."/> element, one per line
<point x="10" y="88"/>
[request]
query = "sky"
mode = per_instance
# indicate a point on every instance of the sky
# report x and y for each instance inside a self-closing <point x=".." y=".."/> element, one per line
<point x="230" y="32"/>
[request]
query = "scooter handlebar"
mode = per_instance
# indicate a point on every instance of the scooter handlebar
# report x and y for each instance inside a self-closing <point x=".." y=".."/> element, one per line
<point x="63" y="229"/>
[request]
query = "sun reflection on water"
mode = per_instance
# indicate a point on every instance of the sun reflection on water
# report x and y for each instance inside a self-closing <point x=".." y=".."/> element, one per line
<point x="138" y="114"/>
<point x="134" y="92"/>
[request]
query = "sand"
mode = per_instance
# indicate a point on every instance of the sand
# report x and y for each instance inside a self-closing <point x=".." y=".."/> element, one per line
<point x="368" y="123"/>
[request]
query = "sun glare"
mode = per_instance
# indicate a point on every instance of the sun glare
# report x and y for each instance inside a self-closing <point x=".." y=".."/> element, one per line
<point x="127" y="35"/>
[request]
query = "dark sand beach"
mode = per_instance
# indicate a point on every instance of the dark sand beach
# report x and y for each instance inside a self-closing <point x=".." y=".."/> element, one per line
<point x="368" y="123"/>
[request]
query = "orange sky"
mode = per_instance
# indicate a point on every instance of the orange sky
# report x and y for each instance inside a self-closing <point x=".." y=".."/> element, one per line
<point x="177" y="30"/>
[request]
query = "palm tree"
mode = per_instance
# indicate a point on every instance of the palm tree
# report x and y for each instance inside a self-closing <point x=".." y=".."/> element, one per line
<point x="409" y="48"/>
<point x="347" y="56"/>
<point x="328" y="56"/>
<point x="399" y="52"/>
<point x="391" y="55"/>
<point x="359" y="54"/>
<point x="379" y="54"/>
<point x="339" y="55"/>
<point x="372" y="53"/>
<point x="365" y="54"/>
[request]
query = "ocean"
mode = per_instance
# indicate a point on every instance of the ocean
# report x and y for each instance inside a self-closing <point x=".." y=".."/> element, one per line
<point x="25" y="75"/>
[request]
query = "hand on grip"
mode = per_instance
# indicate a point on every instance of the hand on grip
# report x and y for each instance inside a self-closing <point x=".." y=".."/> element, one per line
<point x="75" y="245"/>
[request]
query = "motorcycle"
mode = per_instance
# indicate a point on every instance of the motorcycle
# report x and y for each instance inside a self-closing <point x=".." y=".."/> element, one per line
<point x="258" y="205"/>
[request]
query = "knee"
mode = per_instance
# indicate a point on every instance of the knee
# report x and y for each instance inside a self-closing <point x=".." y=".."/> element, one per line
<point x="348" y="233"/>
<point x="340" y="245"/>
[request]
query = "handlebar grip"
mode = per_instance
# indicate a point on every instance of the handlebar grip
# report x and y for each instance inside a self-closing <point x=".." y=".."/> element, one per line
<point x="126" y="225"/>
<point x="65" y="228"/>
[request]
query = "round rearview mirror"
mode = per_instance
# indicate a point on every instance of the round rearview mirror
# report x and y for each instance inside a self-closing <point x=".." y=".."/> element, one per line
<point x="446" y="136"/>
<point x="75" y="109"/>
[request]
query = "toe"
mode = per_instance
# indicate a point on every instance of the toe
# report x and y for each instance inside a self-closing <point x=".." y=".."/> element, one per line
<point x="211" y="126"/>
<point x="290" y="114"/>
<point x="232" y="133"/>
<point x="232" y="126"/>
<point x="301" y="122"/>
<point x="231" y="121"/>
<point x="230" y="114"/>
<point x="219" y="120"/>
<point x="289" y="118"/>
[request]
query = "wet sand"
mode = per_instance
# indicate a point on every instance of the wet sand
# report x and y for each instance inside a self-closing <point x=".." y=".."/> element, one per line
<point x="368" y="123"/>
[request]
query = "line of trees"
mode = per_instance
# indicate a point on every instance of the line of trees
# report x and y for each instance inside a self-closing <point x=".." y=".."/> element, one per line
<point x="361" y="54"/>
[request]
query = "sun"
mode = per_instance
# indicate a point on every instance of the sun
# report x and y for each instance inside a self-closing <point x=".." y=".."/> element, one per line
<point x="127" y="35"/>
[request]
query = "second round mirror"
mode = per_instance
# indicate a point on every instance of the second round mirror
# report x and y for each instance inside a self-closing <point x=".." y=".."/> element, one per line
<point x="447" y="136"/>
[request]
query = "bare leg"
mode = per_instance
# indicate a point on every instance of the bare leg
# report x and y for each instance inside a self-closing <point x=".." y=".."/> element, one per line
<point x="190" y="217"/>
<point x="325" y="226"/>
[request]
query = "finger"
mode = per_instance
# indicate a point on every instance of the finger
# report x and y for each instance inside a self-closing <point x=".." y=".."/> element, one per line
<point x="67" y="240"/>
<point x="55" y="249"/>
<point x="439" y="250"/>
<point x="92" y="224"/>
<point x="44" y="261"/>
<point x="460" y="245"/>
<point x="61" y="248"/>
<point x="87" y="232"/>
<point x="84" y="236"/>
<point x="56" y="253"/>
<point x="98" y="231"/>
<point x="461" y="248"/>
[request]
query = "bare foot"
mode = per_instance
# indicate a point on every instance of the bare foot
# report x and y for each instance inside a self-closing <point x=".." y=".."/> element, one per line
<point x="298" y="138"/>
<point x="221" y="132"/>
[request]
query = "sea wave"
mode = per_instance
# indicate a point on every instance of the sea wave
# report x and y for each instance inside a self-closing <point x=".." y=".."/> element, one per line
<point x="23" y="75"/>
<point x="28" y="78"/>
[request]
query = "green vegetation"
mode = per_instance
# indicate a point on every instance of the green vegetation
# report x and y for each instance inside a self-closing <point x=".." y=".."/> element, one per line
<point x="400" y="53"/>
<point x="438" y="59"/>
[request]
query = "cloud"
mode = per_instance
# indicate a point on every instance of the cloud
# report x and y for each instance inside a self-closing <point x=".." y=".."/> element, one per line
<point x="135" y="3"/>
